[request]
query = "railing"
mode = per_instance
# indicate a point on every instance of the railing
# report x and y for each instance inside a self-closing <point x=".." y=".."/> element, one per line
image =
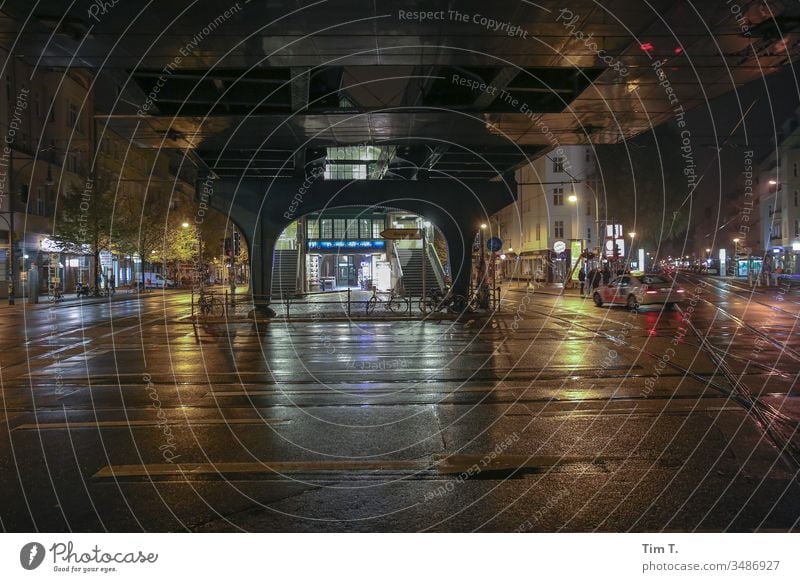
<point x="436" y="265"/>
<point x="350" y="303"/>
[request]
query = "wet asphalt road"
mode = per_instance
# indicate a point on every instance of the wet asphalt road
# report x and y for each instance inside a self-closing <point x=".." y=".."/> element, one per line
<point x="554" y="415"/>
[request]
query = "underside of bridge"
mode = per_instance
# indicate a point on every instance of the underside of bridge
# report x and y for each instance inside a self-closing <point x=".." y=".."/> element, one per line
<point x="258" y="98"/>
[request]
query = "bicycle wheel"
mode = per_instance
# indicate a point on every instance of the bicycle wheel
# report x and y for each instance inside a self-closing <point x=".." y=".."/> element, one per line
<point x="399" y="305"/>
<point x="458" y="304"/>
<point x="373" y="301"/>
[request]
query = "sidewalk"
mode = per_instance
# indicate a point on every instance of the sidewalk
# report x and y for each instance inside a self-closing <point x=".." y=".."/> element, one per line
<point x="71" y="300"/>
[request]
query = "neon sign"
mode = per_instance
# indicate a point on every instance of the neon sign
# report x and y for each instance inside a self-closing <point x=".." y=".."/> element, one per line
<point x="355" y="245"/>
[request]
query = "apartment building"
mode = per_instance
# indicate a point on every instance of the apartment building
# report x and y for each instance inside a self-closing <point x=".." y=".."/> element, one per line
<point x="554" y="217"/>
<point x="778" y="192"/>
<point x="46" y="124"/>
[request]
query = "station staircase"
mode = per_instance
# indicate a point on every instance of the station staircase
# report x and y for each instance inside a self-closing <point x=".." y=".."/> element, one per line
<point x="284" y="274"/>
<point x="411" y="264"/>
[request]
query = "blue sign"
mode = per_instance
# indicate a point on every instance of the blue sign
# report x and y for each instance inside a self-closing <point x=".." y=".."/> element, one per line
<point x="352" y="245"/>
<point x="494" y="244"/>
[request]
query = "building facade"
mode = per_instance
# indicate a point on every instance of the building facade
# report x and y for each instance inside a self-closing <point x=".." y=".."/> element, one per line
<point x="554" y="218"/>
<point x="46" y="119"/>
<point x="778" y="189"/>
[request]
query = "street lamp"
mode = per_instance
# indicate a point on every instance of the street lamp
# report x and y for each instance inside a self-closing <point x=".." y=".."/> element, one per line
<point x="185" y="225"/>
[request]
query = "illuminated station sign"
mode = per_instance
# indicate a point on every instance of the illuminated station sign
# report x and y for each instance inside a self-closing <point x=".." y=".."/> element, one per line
<point x="347" y="245"/>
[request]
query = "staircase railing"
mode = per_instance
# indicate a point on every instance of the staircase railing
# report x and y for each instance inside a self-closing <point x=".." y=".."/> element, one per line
<point x="436" y="264"/>
<point x="399" y="267"/>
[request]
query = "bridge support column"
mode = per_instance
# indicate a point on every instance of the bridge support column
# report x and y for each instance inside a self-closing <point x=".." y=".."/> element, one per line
<point x="459" y="247"/>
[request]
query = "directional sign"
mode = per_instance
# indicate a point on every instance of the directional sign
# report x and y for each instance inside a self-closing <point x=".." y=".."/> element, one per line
<point x="402" y="233"/>
<point x="494" y="244"/>
<point x="559" y="246"/>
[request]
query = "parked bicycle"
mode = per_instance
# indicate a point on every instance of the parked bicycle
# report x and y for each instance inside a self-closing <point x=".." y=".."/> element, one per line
<point x="390" y="300"/>
<point x="56" y="295"/>
<point x="447" y="300"/>
<point x="207" y="303"/>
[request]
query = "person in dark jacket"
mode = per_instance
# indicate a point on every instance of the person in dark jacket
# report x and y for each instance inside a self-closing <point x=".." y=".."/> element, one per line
<point x="582" y="279"/>
<point x="606" y="275"/>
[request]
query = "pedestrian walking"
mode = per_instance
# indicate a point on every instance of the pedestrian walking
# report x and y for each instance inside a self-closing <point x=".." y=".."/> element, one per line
<point x="582" y="279"/>
<point x="606" y="275"/>
<point x="112" y="284"/>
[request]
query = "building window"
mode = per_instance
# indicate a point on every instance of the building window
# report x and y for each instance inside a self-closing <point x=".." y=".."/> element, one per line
<point x="538" y="231"/>
<point x="588" y="233"/>
<point x="72" y="116"/>
<point x="39" y="201"/>
<point x="352" y="228"/>
<point x="558" y="229"/>
<point x="312" y="229"/>
<point x="339" y="226"/>
<point x="558" y="197"/>
<point x="558" y="164"/>
<point x="588" y="155"/>
<point x="326" y="228"/>
<point x="377" y="228"/>
<point x="775" y="231"/>
<point x="796" y="227"/>
<point x="72" y="163"/>
<point x="588" y="208"/>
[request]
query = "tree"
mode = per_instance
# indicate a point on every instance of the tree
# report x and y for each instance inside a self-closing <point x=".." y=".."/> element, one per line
<point x="83" y="219"/>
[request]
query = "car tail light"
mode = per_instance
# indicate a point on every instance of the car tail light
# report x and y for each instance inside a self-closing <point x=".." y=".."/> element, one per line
<point x="651" y="292"/>
<point x="680" y="290"/>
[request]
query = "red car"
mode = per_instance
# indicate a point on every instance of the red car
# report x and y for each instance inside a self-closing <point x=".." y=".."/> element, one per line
<point x="636" y="290"/>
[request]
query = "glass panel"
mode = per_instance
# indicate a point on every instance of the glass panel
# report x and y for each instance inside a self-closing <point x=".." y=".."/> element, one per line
<point x="312" y="230"/>
<point x="339" y="225"/>
<point x="326" y="228"/>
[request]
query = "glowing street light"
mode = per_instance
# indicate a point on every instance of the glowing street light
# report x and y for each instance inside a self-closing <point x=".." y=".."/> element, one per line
<point x="572" y="198"/>
<point x="185" y="225"/>
<point x="483" y="226"/>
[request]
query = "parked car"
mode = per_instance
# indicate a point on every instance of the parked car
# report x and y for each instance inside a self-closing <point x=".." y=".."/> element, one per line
<point x="633" y="291"/>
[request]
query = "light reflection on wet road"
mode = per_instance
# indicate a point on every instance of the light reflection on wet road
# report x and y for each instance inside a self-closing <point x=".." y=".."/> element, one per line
<point x="552" y="415"/>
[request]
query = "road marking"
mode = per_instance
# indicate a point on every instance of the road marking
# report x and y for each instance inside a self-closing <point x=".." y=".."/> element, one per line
<point x="147" y="423"/>
<point x="454" y="464"/>
<point x="170" y="470"/>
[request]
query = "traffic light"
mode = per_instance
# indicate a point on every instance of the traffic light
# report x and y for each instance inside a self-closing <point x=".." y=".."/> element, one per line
<point x="237" y="243"/>
<point x="228" y="247"/>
